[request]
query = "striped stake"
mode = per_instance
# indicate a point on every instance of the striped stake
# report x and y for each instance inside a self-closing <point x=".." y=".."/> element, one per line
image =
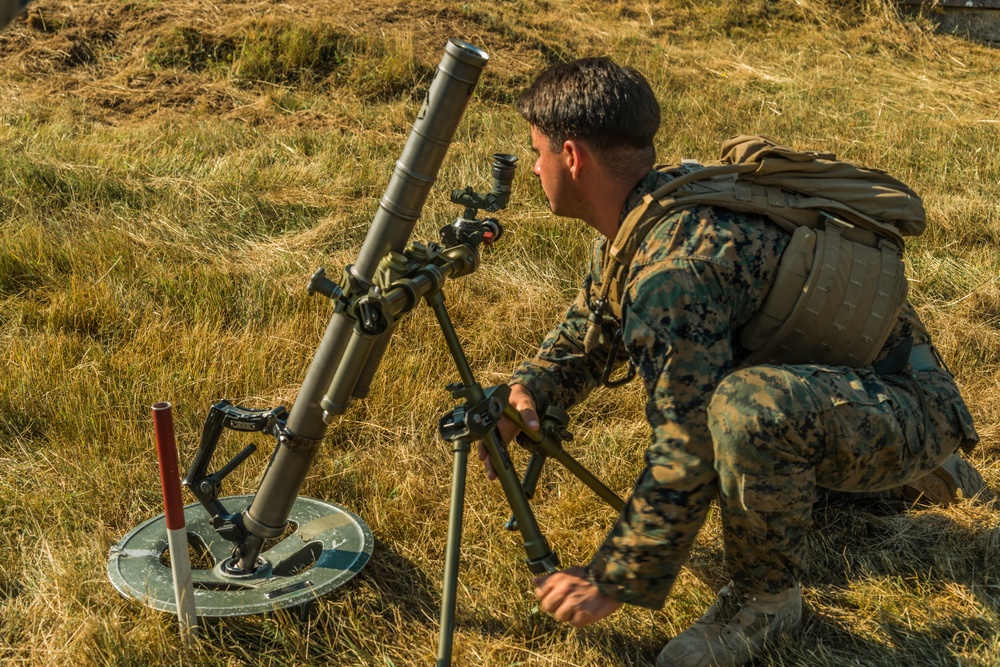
<point x="177" y="542"/>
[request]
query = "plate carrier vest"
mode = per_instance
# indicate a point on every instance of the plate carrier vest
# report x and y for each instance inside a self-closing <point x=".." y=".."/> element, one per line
<point x="840" y="282"/>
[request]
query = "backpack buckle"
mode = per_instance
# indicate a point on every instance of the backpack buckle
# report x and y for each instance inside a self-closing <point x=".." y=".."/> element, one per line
<point x="593" y="336"/>
<point x="609" y="365"/>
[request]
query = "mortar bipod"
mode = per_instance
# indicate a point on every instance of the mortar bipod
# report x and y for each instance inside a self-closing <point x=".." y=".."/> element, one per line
<point x="477" y="419"/>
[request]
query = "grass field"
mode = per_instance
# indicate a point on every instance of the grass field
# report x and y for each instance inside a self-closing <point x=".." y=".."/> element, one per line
<point x="171" y="173"/>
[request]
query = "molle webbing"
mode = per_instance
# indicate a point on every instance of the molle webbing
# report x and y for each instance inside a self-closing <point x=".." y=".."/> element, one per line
<point x="840" y="283"/>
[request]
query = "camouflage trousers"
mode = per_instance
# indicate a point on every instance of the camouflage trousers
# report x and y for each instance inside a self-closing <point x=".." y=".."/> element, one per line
<point x="778" y="432"/>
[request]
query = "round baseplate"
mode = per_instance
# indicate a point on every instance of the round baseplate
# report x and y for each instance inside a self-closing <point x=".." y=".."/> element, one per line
<point x="328" y="546"/>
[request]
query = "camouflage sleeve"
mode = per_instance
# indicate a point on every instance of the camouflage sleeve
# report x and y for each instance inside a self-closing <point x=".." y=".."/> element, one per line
<point x="561" y="372"/>
<point x="677" y="328"/>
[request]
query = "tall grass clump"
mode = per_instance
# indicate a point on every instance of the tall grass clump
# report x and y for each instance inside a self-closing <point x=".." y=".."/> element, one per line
<point x="288" y="53"/>
<point x="295" y="54"/>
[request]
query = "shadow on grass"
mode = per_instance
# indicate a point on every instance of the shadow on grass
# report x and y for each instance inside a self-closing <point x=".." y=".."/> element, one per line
<point x="859" y="550"/>
<point x="887" y="539"/>
<point x="824" y="640"/>
<point x="874" y="566"/>
<point x="403" y="585"/>
<point x="390" y="592"/>
<point x="876" y="548"/>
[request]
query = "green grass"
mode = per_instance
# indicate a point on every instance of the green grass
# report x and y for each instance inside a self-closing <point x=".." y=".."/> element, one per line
<point x="172" y="173"/>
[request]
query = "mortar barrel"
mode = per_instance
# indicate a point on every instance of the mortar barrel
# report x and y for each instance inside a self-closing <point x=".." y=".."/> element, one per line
<point x="399" y="208"/>
<point x="417" y="168"/>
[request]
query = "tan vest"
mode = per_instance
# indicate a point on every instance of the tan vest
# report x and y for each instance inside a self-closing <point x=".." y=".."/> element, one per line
<point x="840" y="282"/>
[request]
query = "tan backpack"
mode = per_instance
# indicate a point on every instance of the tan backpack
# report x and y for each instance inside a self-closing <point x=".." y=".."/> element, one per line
<point x="840" y="282"/>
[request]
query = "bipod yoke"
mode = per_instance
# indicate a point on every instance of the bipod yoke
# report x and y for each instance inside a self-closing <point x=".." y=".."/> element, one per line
<point x="206" y="486"/>
<point x="547" y="443"/>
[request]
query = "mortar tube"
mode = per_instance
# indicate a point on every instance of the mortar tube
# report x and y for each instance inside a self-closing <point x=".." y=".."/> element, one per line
<point x="177" y="541"/>
<point x="400" y="207"/>
<point x="425" y="149"/>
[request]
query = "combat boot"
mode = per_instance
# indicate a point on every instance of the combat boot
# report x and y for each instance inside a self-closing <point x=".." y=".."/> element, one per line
<point x="951" y="481"/>
<point x="734" y="629"/>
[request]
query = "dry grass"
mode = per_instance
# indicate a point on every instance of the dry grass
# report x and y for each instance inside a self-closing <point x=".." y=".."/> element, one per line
<point x="171" y="174"/>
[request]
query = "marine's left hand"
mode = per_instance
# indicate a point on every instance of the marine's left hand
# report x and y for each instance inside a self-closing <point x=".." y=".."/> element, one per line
<point x="572" y="598"/>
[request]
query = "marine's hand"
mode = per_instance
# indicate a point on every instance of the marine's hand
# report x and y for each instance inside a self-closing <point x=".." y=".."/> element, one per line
<point x="572" y="598"/>
<point x="522" y="401"/>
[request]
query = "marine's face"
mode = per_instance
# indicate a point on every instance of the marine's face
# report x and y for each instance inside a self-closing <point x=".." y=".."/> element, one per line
<point x="552" y="169"/>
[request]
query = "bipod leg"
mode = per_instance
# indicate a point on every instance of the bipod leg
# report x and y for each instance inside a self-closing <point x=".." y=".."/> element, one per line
<point x="477" y="419"/>
<point x="588" y="478"/>
<point x="546" y="443"/>
<point x="529" y="482"/>
<point x="452" y="551"/>
<point x="540" y="557"/>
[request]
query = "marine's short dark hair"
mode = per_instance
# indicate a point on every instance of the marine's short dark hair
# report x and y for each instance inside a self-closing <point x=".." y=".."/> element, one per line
<point x="594" y="99"/>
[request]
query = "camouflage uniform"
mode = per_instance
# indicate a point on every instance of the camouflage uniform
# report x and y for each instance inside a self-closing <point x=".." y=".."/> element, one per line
<point x="759" y="438"/>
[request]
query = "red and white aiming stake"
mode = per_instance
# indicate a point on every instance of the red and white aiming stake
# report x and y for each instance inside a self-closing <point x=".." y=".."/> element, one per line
<point x="177" y="542"/>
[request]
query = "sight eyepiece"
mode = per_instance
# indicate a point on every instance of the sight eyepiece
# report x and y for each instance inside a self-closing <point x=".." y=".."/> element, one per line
<point x="504" y="166"/>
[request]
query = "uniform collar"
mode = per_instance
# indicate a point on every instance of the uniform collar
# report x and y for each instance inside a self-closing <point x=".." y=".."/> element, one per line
<point x="648" y="183"/>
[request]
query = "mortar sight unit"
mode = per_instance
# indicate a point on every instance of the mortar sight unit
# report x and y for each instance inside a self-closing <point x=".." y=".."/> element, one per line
<point x="499" y="194"/>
